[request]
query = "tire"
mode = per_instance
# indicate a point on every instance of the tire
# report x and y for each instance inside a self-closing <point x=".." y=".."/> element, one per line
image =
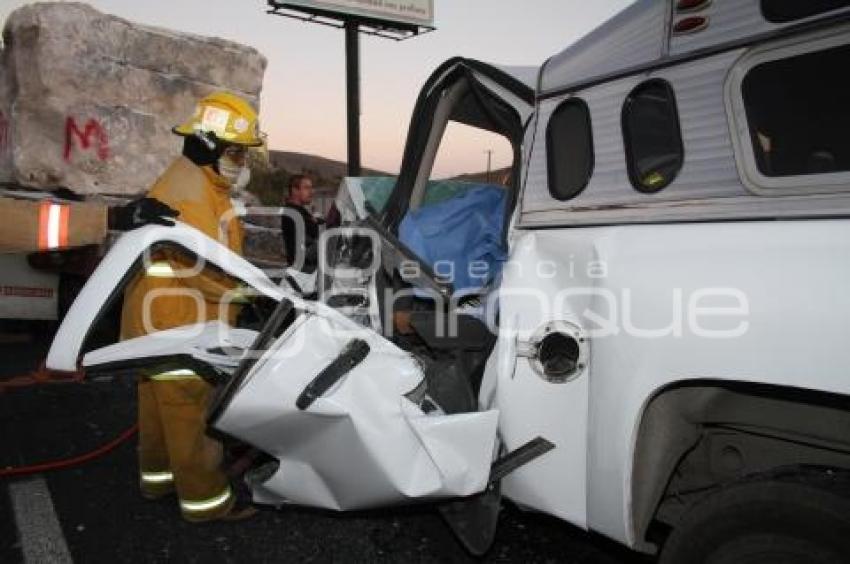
<point x="765" y="522"/>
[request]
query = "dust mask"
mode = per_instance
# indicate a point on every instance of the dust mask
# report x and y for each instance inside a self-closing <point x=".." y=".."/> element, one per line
<point x="243" y="179"/>
<point x="229" y="170"/>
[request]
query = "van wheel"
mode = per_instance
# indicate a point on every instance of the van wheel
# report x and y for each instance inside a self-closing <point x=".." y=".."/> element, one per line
<point x="768" y="522"/>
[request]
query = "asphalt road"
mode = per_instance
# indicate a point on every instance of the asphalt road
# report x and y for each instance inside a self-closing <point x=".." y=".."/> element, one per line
<point x="93" y="513"/>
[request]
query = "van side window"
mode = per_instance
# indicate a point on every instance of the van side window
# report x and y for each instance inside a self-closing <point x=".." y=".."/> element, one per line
<point x="797" y="113"/>
<point x="653" y="139"/>
<point x="569" y="149"/>
<point x="782" y="11"/>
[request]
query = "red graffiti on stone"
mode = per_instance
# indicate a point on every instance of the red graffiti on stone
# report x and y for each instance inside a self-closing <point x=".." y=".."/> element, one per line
<point x="4" y="132"/>
<point x="93" y="132"/>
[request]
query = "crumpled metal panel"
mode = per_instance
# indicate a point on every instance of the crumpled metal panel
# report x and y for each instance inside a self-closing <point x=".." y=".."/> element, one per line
<point x="362" y="444"/>
<point x="123" y="259"/>
<point x="214" y="342"/>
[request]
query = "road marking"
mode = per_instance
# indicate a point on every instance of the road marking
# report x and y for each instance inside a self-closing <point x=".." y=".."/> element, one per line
<point x="38" y="527"/>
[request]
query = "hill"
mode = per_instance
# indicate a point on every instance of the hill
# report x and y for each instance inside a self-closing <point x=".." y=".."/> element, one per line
<point x="300" y="163"/>
<point x="269" y="185"/>
<point x="497" y="176"/>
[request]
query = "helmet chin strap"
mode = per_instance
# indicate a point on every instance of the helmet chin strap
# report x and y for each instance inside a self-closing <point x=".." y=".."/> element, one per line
<point x="197" y="150"/>
<point x="205" y="139"/>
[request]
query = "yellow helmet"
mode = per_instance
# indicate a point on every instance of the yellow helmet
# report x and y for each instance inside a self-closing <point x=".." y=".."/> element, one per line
<point x="226" y="115"/>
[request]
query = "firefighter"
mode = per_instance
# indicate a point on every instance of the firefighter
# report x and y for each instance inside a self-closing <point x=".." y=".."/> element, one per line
<point x="49" y="225"/>
<point x="175" y="453"/>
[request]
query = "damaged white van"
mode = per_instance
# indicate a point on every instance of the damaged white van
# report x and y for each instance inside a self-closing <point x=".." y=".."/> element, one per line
<point x="643" y="333"/>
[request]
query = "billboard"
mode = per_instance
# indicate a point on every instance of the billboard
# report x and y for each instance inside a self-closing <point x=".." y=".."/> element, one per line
<point x="409" y="12"/>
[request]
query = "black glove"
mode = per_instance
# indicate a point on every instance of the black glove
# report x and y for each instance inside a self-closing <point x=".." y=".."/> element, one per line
<point x="141" y="212"/>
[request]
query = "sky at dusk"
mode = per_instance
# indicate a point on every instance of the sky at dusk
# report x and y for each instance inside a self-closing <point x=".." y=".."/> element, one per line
<point x="303" y="98"/>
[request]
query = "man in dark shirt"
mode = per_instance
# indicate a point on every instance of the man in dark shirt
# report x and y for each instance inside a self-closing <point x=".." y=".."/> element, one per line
<point x="300" y="244"/>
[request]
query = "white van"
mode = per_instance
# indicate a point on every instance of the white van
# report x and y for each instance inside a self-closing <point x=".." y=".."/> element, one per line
<point x="653" y="344"/>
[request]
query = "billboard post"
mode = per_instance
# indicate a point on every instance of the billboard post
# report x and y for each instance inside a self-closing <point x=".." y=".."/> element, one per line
<point x="352" y="81"/>
<point x="394" y="19"/>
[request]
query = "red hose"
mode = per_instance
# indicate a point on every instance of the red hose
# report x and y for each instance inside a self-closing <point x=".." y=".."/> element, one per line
<point x="73" y="461"/>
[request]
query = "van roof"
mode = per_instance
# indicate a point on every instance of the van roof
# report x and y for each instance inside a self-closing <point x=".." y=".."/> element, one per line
<point x="640" y="36"/>
<point x="525" y="74"/>
<point x="630" y="38"/>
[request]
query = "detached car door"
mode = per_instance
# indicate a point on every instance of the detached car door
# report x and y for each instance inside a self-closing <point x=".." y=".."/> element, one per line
<point x="342" y="411"/>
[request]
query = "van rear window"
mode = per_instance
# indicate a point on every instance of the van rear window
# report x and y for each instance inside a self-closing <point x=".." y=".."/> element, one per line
<point x="653" y="140"/>
<point x="569" y="149"/>
<point x="798" y="116"/>
<point x="782" y="11"/>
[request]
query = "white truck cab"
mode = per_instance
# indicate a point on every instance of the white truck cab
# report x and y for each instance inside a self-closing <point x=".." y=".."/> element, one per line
<point x="644" y="327"/>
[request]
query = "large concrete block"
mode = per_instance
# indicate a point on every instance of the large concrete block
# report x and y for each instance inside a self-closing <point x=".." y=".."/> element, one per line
<point x="93" y="97"/>
<point x="5" y="124"/>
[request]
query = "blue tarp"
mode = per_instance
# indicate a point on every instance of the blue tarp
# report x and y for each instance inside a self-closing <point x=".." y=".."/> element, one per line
<point x="460" y="237"/>
<point x="378" y="189"/>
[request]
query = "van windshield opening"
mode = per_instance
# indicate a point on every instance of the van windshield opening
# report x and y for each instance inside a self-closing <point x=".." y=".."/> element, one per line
<point x="798" y="115"/>
<point x="459" y="219"/>
<point x="473" y="154"/>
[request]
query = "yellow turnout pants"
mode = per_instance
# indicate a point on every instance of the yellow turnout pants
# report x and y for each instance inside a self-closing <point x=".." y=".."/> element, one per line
<point x="175" y="453"/>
